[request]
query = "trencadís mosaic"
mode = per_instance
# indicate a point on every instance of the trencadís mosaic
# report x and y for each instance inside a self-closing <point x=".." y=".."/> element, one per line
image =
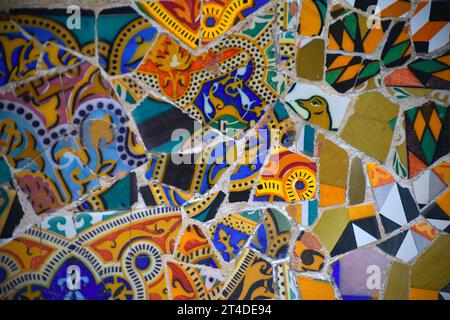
<point x="225" y="149"/>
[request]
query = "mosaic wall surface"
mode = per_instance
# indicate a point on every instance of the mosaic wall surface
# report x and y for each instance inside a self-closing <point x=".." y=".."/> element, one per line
<point x="225" y="149"/>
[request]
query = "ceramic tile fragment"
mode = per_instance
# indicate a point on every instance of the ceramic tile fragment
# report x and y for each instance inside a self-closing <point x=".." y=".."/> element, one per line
<point x="314" y="12"/>
<point x="155" y="194"/>
<point x="287" y="177"/>
<point x="422" y="73"/>
<point x="333" y="164"/>
<point x="360" y="274"/>
<point x="54" y="26"/>
<point x="220" y="16"/>
<point x="54" y="242"/>
<point x="180" y="18"/>
<point x="243" y="177"/>
<point x="5" y="173"/>
<point x="410" y="243"/>
<point x="195" y="283"/>
<point x="124" y="37"/>
<point x="286" y="22"/>
<point x="431" y="183"/>
<point x="11" y="211"/>
<point x="32" y="110"/>
<point x="234" y="85"/>
<point x="250" y="269"/>
<point x="438" y="213"/>
<point x="397" y="286"/>
<point x="230" y="233"/>
<point x="430" y="274"/>
<point x="85" y="220"/>
<point x="128" y="90"/>
<point x="21" y="54"/>
<point x="206" y="209"/>
<point x="25" y="255"/>
<point x="194" y="248"/>
<point x="311" y="59"/>
<point x="305" y="140"/>
<point x="279" y="126"/>
<point x="330" y="226"/>
<point x="192" y="172"/>
<point x="400" y="159"/>
<point x="427" y="130"/>
<point x="395" y="203"/>
<point x="318" y="107"/>
<point x="217" y="17"/>
<point x="382" y="8"/>
<point x="430" y="28"/>
<point x="216" y="149"/>
<point x="304" y="213"/>
<point x="357" y="182"/>
<point x="315" y="289"/>
<point x="308" y="254"/>
<point x="285" y="282"/>
<point x="371" y="126"/>
<point x="41" y="189"/>
<point x="344" y="229"/>
<point x="119" y="196"/>
<point x="162" y="126"/>
<point x="338" y="10"/>
<point x="345" y="72"/>
<point x="152" y="244"/>
<point x="67" y="129"/>
<point x="287" y="14"/>
<point x="277" y="129"/>
<point x="286" y="57"/>
<point x="272" y="235"/>
<point x="397" y="49"/>
<point x="442" y="171"/>
<point x="54" y="56"/>
<point x="353" y="33"/>
<point x="111" y="146"/>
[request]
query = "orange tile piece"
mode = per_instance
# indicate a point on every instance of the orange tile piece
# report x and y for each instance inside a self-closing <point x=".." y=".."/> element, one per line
<point x="419" y="125"/>
<point x="378" y="176"/>
<point x="350" y="72"/>
<point x="415" y="165"/>
<point x="340" y="61"/>
<point x="422" y="294"/>
<point x="312" y="289"/>
<point x="331" y="195"/>
<point x="444" y="202"/>
<point x="403" y="78"/>
<point x="361" y="211"/>
<point x="435" y="124"/>
<point x="425" y="229"/>
<point x="428" y="31"/>
<point x="295" y="212"/>
<point x="396" y="9"/>
<point x="442" y="170"/>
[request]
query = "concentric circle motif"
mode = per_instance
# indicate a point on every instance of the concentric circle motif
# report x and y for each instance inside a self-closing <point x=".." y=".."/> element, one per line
<point x="300" y="184"/>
